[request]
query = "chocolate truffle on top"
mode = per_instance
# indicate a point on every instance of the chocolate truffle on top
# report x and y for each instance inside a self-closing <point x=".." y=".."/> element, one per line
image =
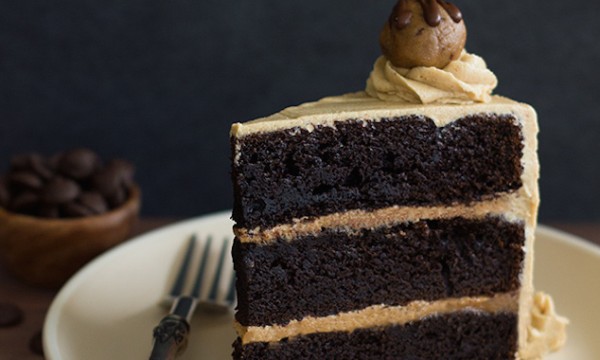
<point x="423" y="33"/>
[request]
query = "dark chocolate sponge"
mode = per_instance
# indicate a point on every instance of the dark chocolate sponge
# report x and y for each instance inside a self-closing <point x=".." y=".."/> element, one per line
<point x="356" y="165"/>
<point x="337" y="272"/>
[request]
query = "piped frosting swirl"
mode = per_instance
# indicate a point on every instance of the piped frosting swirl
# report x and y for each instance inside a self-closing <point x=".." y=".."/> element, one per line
<point x="547" y="331"/>
<point x="466" y="80"/>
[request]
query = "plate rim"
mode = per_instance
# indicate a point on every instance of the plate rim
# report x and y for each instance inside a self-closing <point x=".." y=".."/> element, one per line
<point x="572" y="239"/>
<point x="51" y="320"/>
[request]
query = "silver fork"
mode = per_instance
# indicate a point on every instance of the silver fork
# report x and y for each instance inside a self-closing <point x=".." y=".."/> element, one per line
<point x="171" y="334"/>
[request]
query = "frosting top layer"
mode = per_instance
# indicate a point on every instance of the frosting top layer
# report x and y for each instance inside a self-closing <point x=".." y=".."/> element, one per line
<point x="463" y="81"/>
<point x="360" y="105"/>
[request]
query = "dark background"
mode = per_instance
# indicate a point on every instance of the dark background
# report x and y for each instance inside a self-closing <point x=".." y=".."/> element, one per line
<point x="160" y="81"/>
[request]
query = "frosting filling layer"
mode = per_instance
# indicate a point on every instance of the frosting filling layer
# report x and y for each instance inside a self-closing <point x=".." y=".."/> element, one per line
<point x="364" y="164"/>
<point x="335" y="270"/>
<point x="378" y="316"/>
<point x="545" y="332"/>
<point x="511" y="207"/>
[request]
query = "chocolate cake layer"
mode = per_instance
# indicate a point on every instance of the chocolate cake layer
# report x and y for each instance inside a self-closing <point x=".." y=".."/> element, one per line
<point x="293" y="173"/>
<point x="461" y="335"/>
<point x="338" y="271"/>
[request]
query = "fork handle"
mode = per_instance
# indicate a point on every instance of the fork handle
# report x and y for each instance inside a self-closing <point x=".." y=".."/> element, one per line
<point x="170" y="338"/>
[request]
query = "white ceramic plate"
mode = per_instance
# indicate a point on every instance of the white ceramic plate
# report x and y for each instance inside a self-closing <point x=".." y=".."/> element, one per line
<point x="109" y="308"/>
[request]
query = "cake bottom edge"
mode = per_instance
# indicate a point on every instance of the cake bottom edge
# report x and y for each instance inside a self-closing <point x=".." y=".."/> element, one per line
<point x="457" y="335"/>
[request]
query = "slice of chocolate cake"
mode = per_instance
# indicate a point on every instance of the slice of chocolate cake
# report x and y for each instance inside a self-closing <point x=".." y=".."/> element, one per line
<point x="393" y="223"/>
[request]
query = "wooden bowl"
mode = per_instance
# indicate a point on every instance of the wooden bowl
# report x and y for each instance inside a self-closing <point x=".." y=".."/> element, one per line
<point x="46" y="252"/>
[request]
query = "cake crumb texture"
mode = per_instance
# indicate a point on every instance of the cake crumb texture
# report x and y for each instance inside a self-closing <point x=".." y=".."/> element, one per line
<point x="337" y="271"/>
<point x="295" y="173"/>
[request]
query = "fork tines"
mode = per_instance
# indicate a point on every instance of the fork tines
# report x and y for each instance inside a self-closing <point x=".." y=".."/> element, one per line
<point x="219" y="291"/>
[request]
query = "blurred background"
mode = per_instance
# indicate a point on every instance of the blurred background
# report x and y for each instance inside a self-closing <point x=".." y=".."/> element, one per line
<point x="160" y="82"/>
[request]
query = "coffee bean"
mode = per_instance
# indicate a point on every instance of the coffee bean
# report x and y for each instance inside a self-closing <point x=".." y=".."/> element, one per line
<point x="60" y="191"/>
<point x="40" y="166"/>
<point x="78" y="163"/>
<point x="24" y="202"/>
<point x="74" y="209"/>
<point x="107" y="181"/>
<point x="26" y="179"/>
<point x="93" y="201"/>
<point x="10" y="314"/>
<point x="117" y="198"/>
<point x="124" y="169"/>
<point x="36" y="345"/>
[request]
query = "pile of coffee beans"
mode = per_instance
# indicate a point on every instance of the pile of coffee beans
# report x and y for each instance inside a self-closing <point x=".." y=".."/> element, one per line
<point x="74" y="183"/>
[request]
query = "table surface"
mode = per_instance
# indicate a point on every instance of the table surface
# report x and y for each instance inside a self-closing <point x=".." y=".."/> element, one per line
<point x="14" y="341"/>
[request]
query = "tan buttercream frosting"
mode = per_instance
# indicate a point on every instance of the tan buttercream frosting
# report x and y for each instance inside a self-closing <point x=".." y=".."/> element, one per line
<point x="509" y="206"/>
<point x="463" y="81"/>
<point x="361" y="106"/>
<point x="378" y="316"/>
<point x="547" y="329"/>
